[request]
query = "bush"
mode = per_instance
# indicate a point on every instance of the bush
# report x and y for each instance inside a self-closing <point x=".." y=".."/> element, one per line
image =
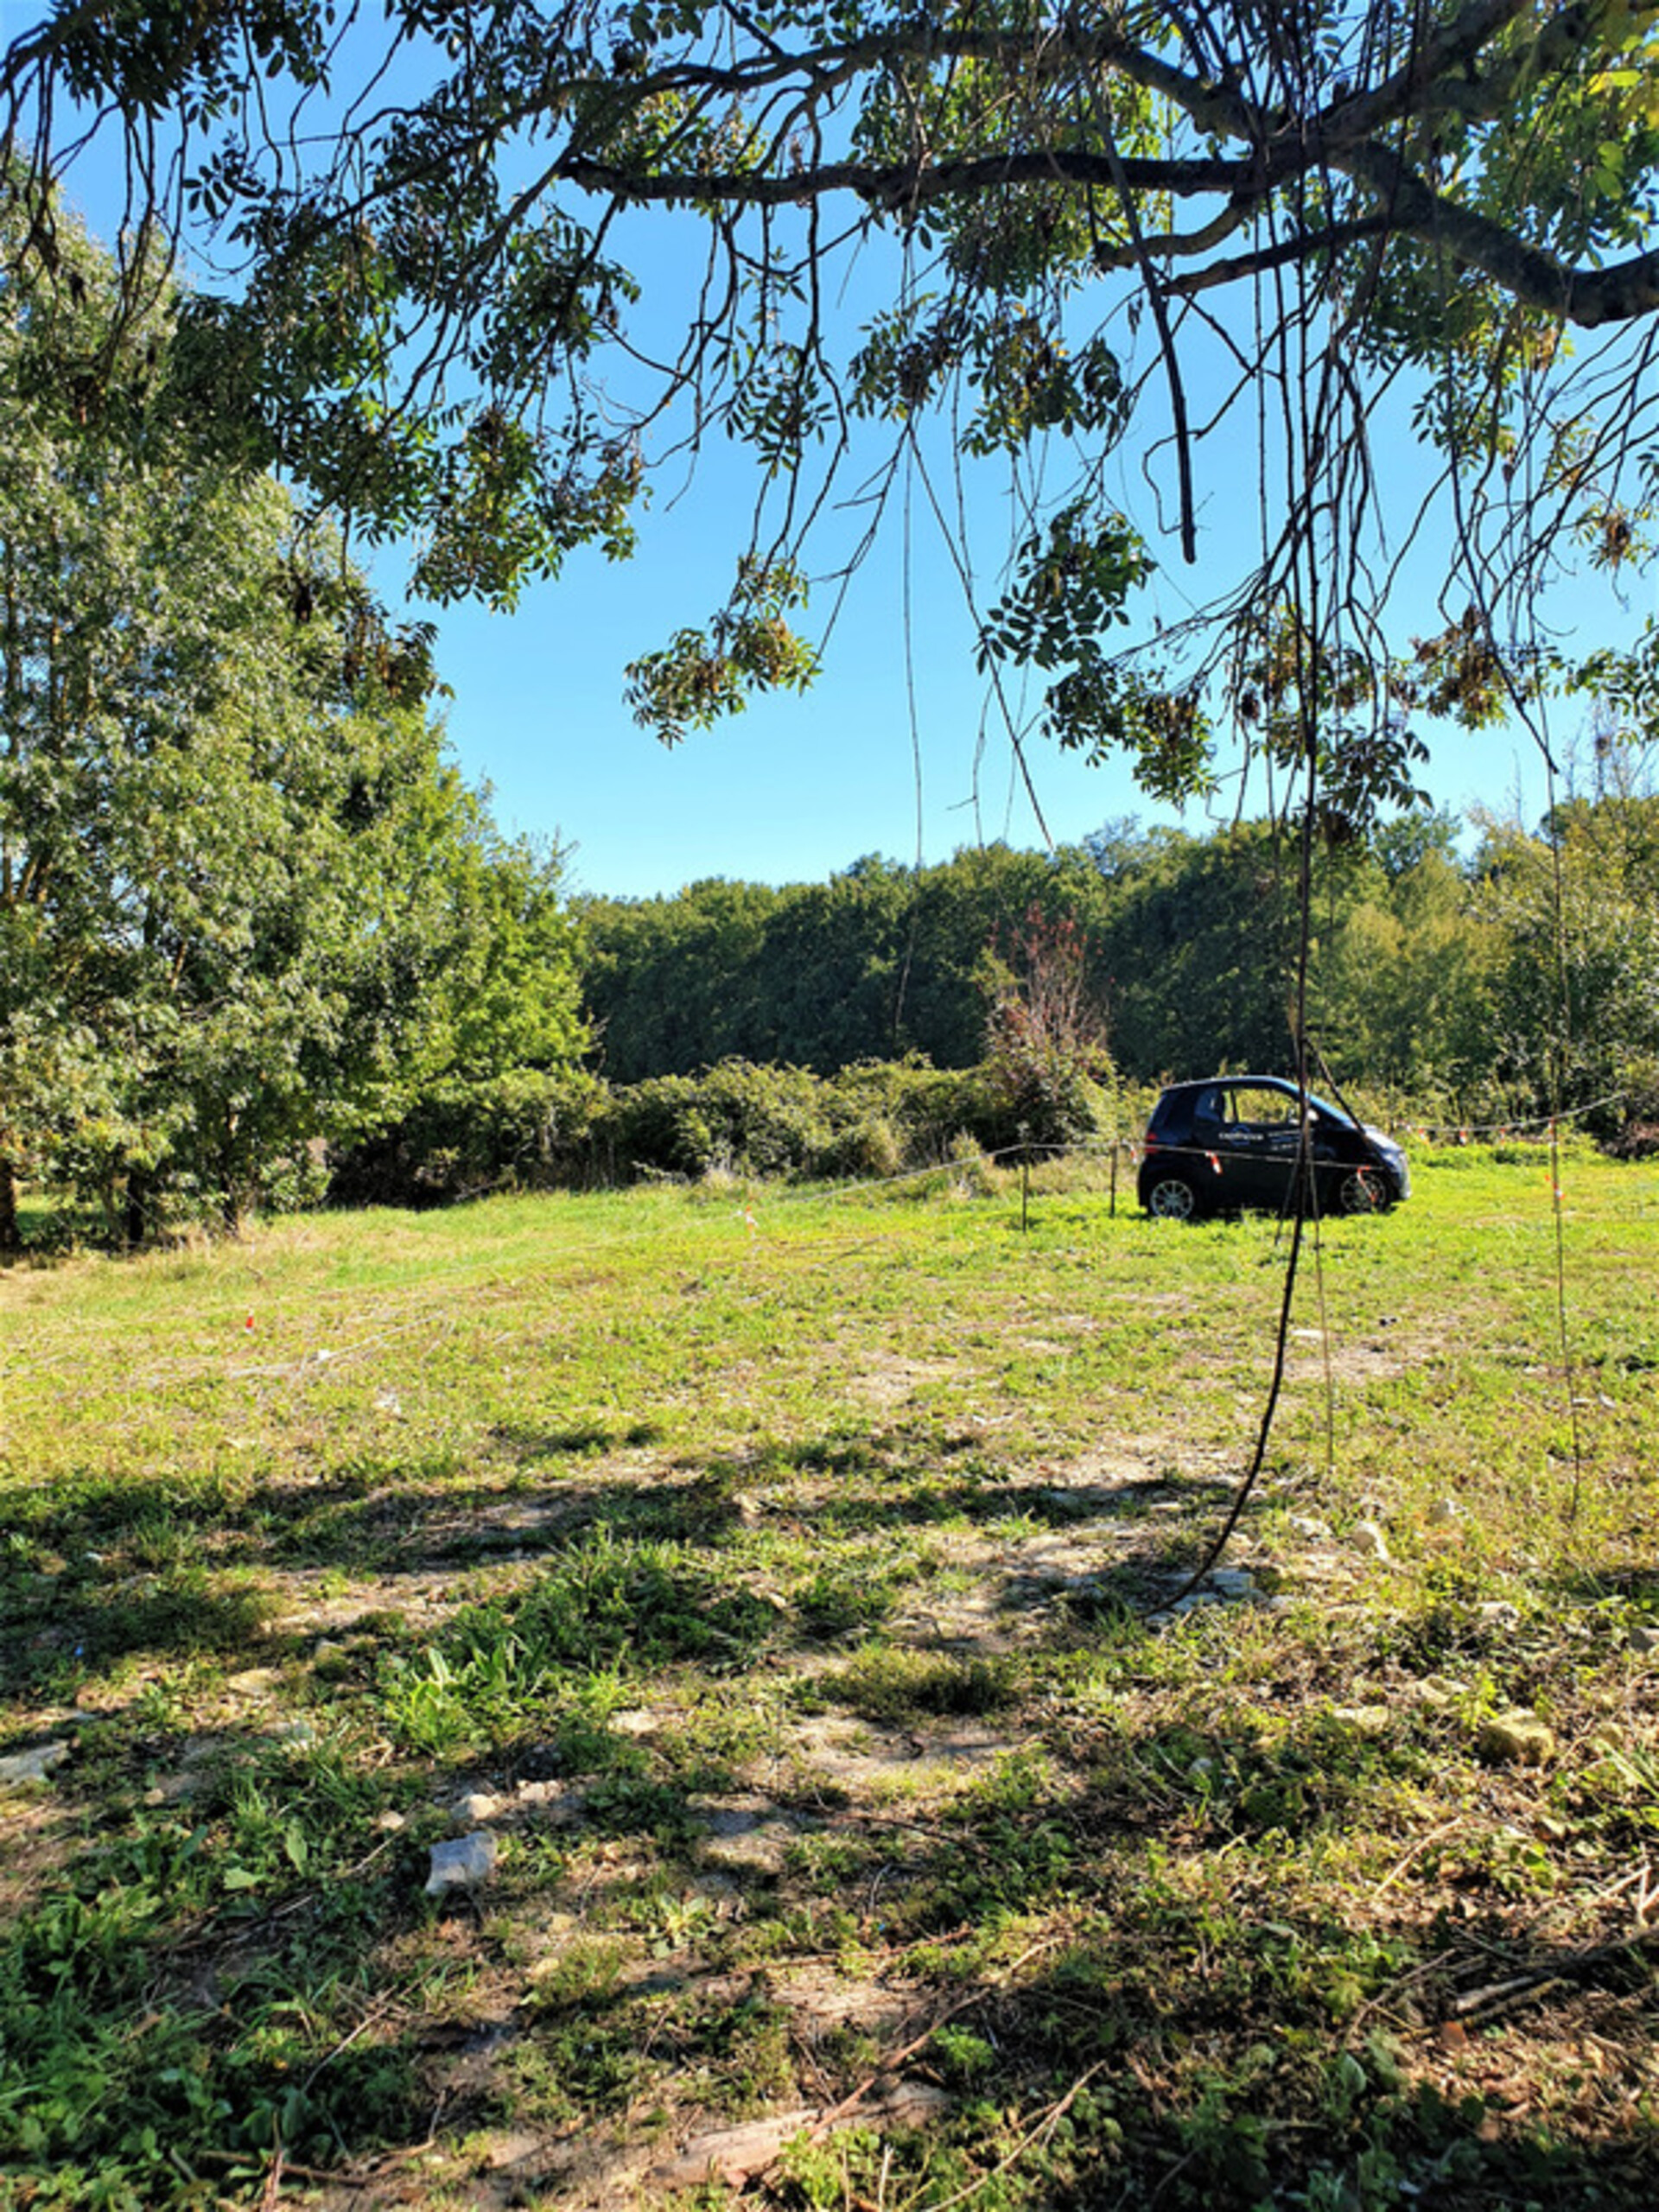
<point x="868" y="1150"/>
<point x="738" y="1118"/>
<point x="772" y="1121"/>
<point x="872" y="1119"/>
<point x="1045" y="1052"/>
<point x="528" y="1129"/>
<point x="655" y="1128"/>
<point x="870" y="1122"/>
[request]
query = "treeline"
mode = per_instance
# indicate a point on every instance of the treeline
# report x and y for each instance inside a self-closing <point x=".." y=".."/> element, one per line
<point x="896" y="1017"/>
<point x="1495" y="981"/>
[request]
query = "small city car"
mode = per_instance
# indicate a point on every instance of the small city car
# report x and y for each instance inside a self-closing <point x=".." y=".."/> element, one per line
<point x="1234" y="1140"/>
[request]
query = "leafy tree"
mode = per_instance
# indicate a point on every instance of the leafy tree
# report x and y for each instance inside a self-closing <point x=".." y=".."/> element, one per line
<point x="237" y="882"/>
<point x="1189" y="948"/>
<point x="430" y="318"/>
<point x="882" y="960"/>
<point x="980" y="898"/>
<point x="670" y="982"/>
<point x="829" y="970"/>
<point x="1203" y="946"/>
<point x="1404" y="986"/>
<point x="502" y="995"/>
<point x="1202" y="954"/>
<point x="1575" y="999"/>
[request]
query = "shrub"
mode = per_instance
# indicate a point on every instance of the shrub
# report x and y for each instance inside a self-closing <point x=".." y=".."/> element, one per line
<point x="739" y="1116"/>
<point x="1045" y="1053"/>
<point x="772" y="1120"/>
<point x="869" y="1123"/>
<point x="867" y="1150"/>
<point x="526" y="1130"/>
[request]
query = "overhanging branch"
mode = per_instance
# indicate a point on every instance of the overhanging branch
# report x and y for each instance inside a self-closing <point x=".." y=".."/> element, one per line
<point x="897" y="185"/>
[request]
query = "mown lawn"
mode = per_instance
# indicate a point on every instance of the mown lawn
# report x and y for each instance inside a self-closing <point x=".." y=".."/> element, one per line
<point x="775" y="1581"/>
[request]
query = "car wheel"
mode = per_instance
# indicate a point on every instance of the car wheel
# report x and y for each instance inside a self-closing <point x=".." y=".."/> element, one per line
<point x="1171" y="1198"/>
<point x="1365" y="1190"/>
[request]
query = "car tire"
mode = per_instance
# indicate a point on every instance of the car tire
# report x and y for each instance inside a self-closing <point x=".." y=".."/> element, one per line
<point x="1365" y="1190"/>
<point x="1171" y="1197"/>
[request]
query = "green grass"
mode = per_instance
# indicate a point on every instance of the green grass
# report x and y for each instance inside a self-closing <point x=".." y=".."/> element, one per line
<point x="782" y="1572"/>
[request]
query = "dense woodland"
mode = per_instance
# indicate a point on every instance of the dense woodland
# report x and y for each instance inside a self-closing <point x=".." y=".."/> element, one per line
<point x="1433" y="972"/>
<point x="864" y="1025"/>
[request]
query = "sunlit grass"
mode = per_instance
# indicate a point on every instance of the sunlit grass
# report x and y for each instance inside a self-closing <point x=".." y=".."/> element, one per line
<point x="799" y="1548"/>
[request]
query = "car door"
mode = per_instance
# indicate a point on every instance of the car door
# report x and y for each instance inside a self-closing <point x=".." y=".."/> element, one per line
<point x="1289" y="1124"/>
<point x="1256" y="1144"/>
<point x="1333" y="1151"/>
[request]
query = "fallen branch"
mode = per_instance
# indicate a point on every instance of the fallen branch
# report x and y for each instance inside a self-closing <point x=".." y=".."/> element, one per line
<point x="1497" y="1996"/>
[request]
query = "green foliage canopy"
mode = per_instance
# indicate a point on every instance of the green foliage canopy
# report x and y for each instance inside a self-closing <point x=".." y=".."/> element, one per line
<point x="432" y="228"/>
<point x="244" y="901"/>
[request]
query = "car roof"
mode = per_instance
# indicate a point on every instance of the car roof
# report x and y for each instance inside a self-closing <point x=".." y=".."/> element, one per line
<point x="1280" y="1083"/>
<point x="1209" y="1082"/>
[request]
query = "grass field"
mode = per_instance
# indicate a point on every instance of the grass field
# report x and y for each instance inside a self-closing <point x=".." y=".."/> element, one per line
<point x="776" y="1582"/>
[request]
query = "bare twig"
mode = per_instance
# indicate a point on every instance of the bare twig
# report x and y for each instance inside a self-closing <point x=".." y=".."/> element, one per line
<point x="1044" y="2125"/>
<point x="896" y="2058"/>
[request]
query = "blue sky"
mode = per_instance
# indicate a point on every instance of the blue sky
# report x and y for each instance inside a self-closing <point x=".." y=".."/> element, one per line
<point x="896" y="748"/>
<point x="801" y="785"/>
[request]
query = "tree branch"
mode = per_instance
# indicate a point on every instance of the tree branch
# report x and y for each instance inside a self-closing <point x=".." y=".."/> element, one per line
<point x="893" y="185"/>
<point x="1287" y="251"/>
<point x="1530" y="275"/>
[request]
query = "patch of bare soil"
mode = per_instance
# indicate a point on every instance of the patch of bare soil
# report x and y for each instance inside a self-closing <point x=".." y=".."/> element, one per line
<point x="39" y="1840"/>
<point x="897" y="1381"/>
<point x="853" y="1762"/>
<point x="1348" y="1360"/>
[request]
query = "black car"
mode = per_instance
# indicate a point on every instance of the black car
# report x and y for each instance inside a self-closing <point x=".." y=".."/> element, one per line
<point x="1234" y="1140"/>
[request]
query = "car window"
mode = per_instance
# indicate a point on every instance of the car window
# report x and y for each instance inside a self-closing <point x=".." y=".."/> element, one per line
<point x="1258" y="1106"/>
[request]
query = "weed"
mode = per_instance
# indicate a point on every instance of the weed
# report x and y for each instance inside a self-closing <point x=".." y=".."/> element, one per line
<point x="586" y="1973"/>
<point x="825" y="2175"/>
<point x="841" y="1600"/>
<point x="964" y="2057"/>
<point x="886" y="1683"/>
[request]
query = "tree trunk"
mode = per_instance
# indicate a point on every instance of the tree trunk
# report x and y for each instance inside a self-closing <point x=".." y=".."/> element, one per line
<point x="12" y="1237"/>
<point x="136" y="1225"/>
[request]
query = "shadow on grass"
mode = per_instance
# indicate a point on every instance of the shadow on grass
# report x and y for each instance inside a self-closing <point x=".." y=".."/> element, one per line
<point x="1234" y="2084"/>
<point x="90" y="1630"/>
<point x="379" y="1512"/>
<point x="276" y="1974"/>
<point x="1637" y="1584"/>
<point x="195" y="1988"/>
<point x="140" y="1570"/>
<point x="583" y="1439"/>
